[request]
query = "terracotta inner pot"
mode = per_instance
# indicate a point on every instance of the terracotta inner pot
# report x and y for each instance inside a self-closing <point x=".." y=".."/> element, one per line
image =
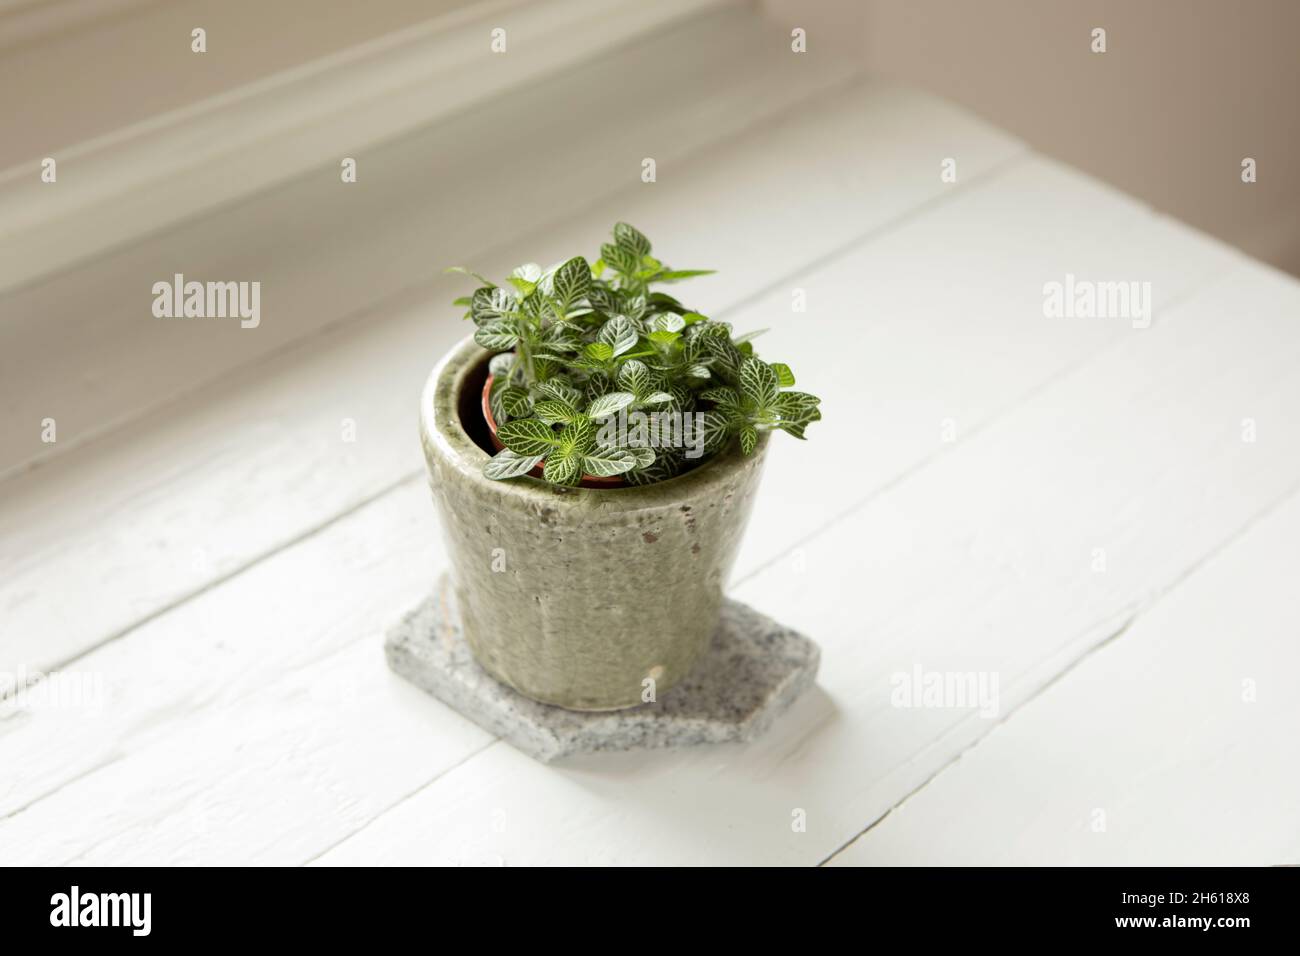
<point x="588" y="481"/>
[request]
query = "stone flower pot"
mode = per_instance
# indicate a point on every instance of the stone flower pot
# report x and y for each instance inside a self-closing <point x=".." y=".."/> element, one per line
<point x="577" y="596"/>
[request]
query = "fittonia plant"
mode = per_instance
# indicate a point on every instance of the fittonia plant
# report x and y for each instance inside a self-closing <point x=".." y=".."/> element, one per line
<point x="598" y="375"/>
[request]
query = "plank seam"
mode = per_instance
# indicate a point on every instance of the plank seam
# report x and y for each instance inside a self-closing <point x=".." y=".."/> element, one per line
<point x="1139" y="610"/>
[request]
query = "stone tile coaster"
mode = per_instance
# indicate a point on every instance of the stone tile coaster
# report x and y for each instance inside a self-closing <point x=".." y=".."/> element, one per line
<point x="751" y="672"/>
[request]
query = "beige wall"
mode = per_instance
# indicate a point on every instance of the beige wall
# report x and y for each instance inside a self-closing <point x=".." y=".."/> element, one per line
<point x="1186" y="89"/>
<point x="71" y="70"/>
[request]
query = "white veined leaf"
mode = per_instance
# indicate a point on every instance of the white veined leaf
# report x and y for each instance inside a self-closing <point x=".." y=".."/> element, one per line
<point x="645" y="456"/>
<point x="604" y="300"/>
<point x="758" y="382"/>
<point x="623" y="261"/>
<point x="527" y="436"/>
<point x="699" y="371"/>
<point x="500" y="365"/>
<point x="530" y="272"/>
<point x="634" y="306"/>
<point x="795" y="405"/>
<point x="516" y="402"/>
<point x="547" y="282"/>
<point x="608" y="462"/>
<point x="563" y="469"/>
<point x="748" y="439"/>
<point x="668" y="322"/>
<point x="618" y="334"/>
<point x="717" y="428"/>
<point x="607" y="405"/>
<point x="656" y="398"/>
<point x="572" y="281"/>
<point x="497" y="336"/>
<point x="507" y="464"/>
<point x="553" y="411"/>
<point x="634" y="377"/>
<point x="630" y="238"/>
<point x="578" y="435"/>
<point x="490" y="304"/>
<point x="561" y="392"/>
<point x="726" y="397"/>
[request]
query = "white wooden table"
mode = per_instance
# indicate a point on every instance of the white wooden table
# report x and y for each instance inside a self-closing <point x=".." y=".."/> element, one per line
<point x="1105" y="517"/>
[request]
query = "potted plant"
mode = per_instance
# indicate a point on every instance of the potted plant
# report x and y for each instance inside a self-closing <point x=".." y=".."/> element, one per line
<point x="594" y="450"/>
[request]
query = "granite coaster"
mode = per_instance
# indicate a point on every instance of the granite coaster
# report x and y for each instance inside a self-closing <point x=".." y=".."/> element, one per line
<point x="751" y="672"/>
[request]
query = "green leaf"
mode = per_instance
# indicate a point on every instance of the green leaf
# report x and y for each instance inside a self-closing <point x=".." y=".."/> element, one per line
<point x="666" y="465"/>
<point x="527" y="437"/>
<point x="748" y="439"/>
<point x="662" y="338"/>
<point x="677" y="275"/>
<point x="599" y="351"/>
<point x="645" y="456"/>
<point x="634" y="377"/>
<point x="668" y="322"/>
<point x="516" y="402"/>
<point x="758" y="382"/>
<point x="629" y="238"/>
<point x="690" y="318"/>
<point x="797" y="406"/>
<point x="506" y="464"/>
<point x="726" y="397"/>
<point x="560" y="392"/>
<point x="623" y="261"/>
<point x="554" y="412"/>
<point x="572" y="281"/>
<point x="529" y="272"/>
<point x="795" y="429"/>
<point x="783" y="374"/>
<point x="578" y="435"/>
<point x="607" y="462"/>
<point x="497" y="336"/>
<point x="605" y="300"/>
<point x="563" y="470"/>
<point x="619" y="334"/>
<point x="609" y="404"/>
<point x="490" y="304"/>
<point x="717" y="429"/>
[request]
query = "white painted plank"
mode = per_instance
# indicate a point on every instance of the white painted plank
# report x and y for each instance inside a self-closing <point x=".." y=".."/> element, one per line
<point x="113" y="532"/>
<point x="67" y="754"/>
<point x="258" y="723"/>
<point x="1155" y="750"/>
<point x="981" y="561"/>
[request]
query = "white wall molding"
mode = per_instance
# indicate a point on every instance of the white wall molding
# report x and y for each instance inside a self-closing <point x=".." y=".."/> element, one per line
<point x="145" y="177"/>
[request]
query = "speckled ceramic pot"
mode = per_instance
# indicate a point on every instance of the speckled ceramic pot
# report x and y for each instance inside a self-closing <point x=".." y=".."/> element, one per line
<point x="575" y="596"/>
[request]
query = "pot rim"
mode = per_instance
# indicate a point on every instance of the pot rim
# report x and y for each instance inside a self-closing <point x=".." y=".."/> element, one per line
<point x="443" y="433"/>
